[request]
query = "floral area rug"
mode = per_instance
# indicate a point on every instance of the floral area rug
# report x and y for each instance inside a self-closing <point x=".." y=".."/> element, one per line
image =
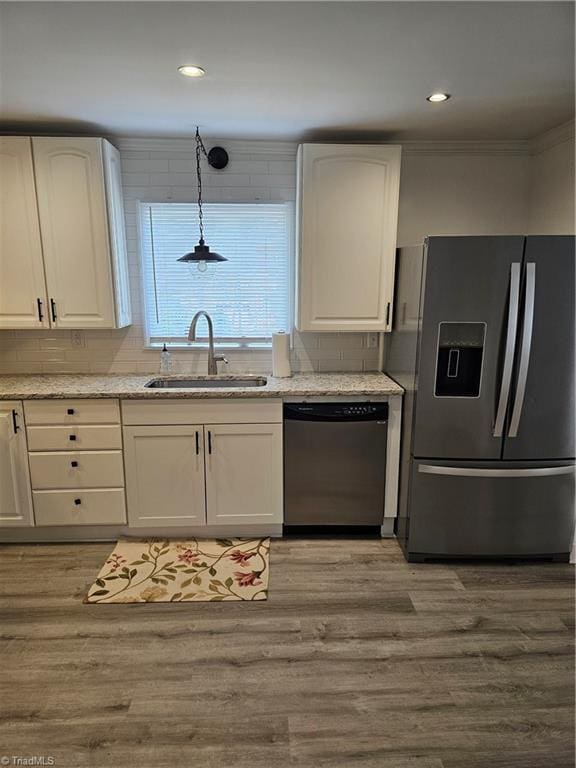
<point x="200" y="570"/>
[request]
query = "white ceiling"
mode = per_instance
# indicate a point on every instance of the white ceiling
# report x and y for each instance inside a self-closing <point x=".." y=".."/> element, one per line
<point x="288" y="70"/>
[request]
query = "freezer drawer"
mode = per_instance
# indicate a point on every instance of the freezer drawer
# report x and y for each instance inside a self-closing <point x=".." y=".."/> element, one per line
<point x="491" y="509"/>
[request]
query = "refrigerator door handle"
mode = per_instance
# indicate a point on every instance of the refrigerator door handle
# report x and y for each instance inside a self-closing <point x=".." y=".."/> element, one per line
<point x="513" y="305"/>
<point x="434" y="469"/>
<point x="525" y="348"/>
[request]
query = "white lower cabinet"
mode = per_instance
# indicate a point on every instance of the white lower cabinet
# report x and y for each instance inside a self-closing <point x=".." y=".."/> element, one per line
<point x="15" y="496"/>
<point x="165" y="475"/>
<point x="71" y="463"/>
<point x="97" y="506"/>
<point x="210" y="474"/>
<point x="81" y="469"/>
<point x="76" y="463"/>
<point x="244" y="474"/>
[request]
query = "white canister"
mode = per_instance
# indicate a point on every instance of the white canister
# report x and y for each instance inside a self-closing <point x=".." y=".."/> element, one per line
<point x="281" y="355"/>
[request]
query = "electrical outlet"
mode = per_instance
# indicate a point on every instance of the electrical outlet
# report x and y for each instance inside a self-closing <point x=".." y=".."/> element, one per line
<point x="78" y="339"/>
<point x="372" y="340"/>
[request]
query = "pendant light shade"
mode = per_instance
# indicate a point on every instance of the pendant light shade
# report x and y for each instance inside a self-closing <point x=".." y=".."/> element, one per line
<point x="202" y="255"/>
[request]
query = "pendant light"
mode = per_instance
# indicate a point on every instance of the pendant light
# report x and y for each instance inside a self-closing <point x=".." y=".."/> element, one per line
<point x="202" y="255"/>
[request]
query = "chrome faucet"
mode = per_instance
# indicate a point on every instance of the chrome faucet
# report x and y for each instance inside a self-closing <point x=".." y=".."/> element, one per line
<point x="213" y="359"/>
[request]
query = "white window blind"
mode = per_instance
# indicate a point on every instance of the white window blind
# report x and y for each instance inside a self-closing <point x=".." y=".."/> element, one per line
<point x="247" y="297"/>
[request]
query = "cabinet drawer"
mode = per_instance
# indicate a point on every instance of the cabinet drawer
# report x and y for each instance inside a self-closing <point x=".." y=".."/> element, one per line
<point x="86" y="469"/>
<point x="224" y="411"/>
<point x="72" y="412"/>
<point x="78" y="507"/>
<point x="77" y="438"/>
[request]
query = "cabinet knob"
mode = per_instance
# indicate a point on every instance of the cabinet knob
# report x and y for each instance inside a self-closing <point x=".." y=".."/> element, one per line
<point x="71" y="437"/>
<point x="70" y="411"/>
<point x="73" y="463"/>
<point x="77" y="502"/>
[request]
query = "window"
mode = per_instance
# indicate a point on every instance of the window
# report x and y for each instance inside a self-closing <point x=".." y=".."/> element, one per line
<point x="247" y="297"/>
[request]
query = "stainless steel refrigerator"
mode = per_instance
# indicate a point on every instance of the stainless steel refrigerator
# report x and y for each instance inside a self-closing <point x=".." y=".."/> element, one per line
<point x="483" y="343"/>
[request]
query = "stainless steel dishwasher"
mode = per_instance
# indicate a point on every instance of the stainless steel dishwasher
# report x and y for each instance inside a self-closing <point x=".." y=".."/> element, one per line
<point x="334" y="463"/>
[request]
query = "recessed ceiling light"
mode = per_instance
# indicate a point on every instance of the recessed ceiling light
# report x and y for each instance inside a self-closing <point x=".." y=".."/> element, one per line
<point x="191" y="70"/>
<point x="437" y="97"/>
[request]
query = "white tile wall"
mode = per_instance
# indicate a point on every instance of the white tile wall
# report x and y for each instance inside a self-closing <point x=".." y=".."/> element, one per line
<point x="162" y="175"/>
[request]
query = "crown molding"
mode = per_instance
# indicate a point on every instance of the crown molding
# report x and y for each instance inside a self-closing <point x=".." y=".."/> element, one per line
<point x="465" y="148"/>
<point x="552" y="138"/>
<point x="233" y="146"/>
<point x="238" y="147"/>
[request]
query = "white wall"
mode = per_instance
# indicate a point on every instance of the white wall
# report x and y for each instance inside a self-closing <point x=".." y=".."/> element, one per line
<point x="551" y="201"/>
<point x="455" y="188"/>
<point x="465" y="194"/>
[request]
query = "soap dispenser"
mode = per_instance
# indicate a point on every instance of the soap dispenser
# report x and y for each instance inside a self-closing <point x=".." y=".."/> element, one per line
<point x="165" y="360"/>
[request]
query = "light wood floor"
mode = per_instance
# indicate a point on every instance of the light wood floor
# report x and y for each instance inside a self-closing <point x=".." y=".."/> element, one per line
<point x="357" y="660"/>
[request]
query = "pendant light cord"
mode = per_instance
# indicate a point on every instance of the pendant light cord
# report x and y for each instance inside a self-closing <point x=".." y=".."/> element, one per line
<point x="200" y="148"/>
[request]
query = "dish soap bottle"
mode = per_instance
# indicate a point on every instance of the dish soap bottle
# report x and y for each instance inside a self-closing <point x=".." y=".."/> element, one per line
<point x="165" y="361"/>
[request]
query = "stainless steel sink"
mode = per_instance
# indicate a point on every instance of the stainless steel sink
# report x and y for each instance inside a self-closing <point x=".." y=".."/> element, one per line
<point x="207" y="382"/>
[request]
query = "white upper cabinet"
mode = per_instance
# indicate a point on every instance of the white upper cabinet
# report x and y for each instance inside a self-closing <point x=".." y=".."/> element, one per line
<point x="115" y="207"/>
<point x="84" y="250"/>
<point x="347" y="220"/>
<point x="22" y="286"/>
<point x="62" y="240"/>
<point x="15" y="495"/>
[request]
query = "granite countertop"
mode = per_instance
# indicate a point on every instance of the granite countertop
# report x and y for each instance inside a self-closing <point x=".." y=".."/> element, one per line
<point x="131" y="386"/>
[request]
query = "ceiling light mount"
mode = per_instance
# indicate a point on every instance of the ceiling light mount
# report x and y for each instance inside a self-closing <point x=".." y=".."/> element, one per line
<point x="191" y="70"/>
<point x="437" y="98"/>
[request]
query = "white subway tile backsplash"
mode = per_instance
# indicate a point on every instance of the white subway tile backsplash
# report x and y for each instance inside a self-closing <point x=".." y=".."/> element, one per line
<point x="146" y="164"/>
<point x="247" y="166"/>
<point x="178" y="165"/>
<point x="136" y="179"/>
<point x="273" y="180"/>
<point x="157" y="176"/>
<point x="7" y="355"/>
<point x="280" y="166"/>
<point x="244" y="194"/>
<point x="343" y="341"/>
<point x="224" y="180"/>
<point x="59" y="367"/>
<point x="173" y="179"/>
<point x="48" y="355"/>
<point x="343" y="366"/>
<point x="12" y="367"/>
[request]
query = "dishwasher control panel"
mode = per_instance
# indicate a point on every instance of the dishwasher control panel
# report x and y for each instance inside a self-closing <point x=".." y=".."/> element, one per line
<point x="336" y="411"/>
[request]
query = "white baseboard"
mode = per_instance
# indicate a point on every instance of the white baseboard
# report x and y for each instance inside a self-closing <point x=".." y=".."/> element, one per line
<point x="95" y="533"/>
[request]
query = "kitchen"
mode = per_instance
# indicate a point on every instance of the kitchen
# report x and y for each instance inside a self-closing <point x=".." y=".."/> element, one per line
<point x="285" y="386"/>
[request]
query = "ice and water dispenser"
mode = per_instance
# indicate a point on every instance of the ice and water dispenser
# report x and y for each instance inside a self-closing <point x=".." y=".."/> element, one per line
<point x="459" y="359"/>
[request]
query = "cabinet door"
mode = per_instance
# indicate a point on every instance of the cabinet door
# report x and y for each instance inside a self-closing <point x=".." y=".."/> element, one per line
<point x="15" y="492"/>
<point x="118" y="249"/>
<point x="243" y="474"/>
<point x="22" y="286"/>
<point x="164" y="476"/>
<point x="348" y="212"/>
<point x="74" y="226"/>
